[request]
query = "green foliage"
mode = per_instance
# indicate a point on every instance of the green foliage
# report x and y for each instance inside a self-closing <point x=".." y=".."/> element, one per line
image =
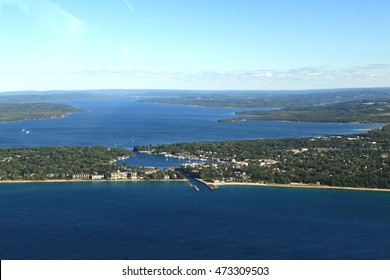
<point x="281" y="99"/>
<point x="40" y="163"/>
<point x="27" y="111"/>
<point x="351" y="161"/>
<point x="352" y="111"/>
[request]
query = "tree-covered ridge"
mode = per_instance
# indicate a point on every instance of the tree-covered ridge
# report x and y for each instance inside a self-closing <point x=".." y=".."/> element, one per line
<point x="42" y="163"/>
<point x="346" y="161"/>
<point x="352" y="111"/>
<point x="281" y="99"/>
<point x="32" y="111"/>
<point x="341" y="105"/>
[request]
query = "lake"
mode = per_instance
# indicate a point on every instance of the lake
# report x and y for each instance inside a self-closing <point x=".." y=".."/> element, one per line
<point x="169" y="220"/>
<point x="126" y="123"/>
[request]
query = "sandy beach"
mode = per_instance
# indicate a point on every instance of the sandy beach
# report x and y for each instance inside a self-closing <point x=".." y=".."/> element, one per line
<point x="307" y="186"/>
<point x="293" y="185"/>
<point x="221" y="184"/>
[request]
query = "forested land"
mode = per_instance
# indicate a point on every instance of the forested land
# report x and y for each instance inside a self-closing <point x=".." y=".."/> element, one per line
<point x="263" y="98"/>
<point x="49" y="163"/>
<point x="34" y="111"/>
<point x="341" y="105"/>
<point x="364" y="111"/>
<point x="348" y="161"/>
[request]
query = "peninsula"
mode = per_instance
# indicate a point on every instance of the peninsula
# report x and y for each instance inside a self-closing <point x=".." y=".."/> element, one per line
<point x="356" y="161"/>
<point x="73" y="163"/>
<point x="350" y="161"/>
<point x="34" y="111"/>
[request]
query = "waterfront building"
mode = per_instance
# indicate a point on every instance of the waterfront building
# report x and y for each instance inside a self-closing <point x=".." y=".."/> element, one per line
<point x="119" y="175"/>
<point x="81" y="176"/>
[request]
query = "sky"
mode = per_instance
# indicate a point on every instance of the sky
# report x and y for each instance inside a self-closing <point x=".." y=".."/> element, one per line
<point x="194" y="44"/>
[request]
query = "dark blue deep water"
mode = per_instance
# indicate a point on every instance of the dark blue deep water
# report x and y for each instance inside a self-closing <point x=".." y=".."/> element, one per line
<point x="155" y="220"/>
<point x="165" y="220"/>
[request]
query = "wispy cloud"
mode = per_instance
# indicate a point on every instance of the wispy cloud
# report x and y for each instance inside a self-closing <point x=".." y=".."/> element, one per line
<point x="127" y="4"/>
<point x="48" y="15"/>
<point x="376" y="66"/>
<point x="126" y="51"/>
<point x="298" y="78"/>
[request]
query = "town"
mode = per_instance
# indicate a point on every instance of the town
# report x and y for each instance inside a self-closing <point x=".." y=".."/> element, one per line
<point x="360" y="160"/>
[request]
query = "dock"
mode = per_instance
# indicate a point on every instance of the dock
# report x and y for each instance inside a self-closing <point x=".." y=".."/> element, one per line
<point x="193" y="186"/>
<point x="209" y="185"/>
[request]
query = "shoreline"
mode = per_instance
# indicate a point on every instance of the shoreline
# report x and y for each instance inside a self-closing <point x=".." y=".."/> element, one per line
<point x="248" y="184"/>
<point x="61" y="116"/>
<point x="86" y="181"/>
<point x="297" y="186"/>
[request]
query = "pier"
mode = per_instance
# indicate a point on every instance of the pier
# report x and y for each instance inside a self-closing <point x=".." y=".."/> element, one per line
<point x="193" y="186"/>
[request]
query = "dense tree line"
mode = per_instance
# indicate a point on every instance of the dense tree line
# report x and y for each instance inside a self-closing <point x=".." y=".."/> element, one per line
<point x="29" y="111"/>
<point x="264" y="98"/>
<point x="351" y="111"/>
<point x="40" y="163"/>
<point x="353" y="160"/>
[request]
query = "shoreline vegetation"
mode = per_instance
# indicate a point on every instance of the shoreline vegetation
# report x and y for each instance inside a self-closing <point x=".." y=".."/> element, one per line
<point x="306" y="186"/>
<point x="13" y="112"/>
<point x="347" y="161"/>
<point x="337" y="105"/>
<point x="217" y="185"/>
<point x="74" y="163"/>
<point x="356" y="161"/>
<point x="343" y="112"/>
<point x="90" y="181"/>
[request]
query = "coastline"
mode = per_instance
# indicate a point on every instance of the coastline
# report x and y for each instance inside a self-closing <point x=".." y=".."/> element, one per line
<point x="248" y="184"/>
<point x="296" y="186"/>
<point x="86" y="181"/>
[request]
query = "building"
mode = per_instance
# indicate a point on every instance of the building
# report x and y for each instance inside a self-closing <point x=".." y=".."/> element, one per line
<point x="81" y="176"/>
<point x="133" y="175"/>
<point x="119" y="175"/>
<point x="97" y="177"/>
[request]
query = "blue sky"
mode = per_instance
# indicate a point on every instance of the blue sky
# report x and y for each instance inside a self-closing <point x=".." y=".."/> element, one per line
<point x="194" y="44"/>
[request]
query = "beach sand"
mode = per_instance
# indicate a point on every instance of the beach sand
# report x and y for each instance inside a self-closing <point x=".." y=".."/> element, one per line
<point x="294" y="185"/>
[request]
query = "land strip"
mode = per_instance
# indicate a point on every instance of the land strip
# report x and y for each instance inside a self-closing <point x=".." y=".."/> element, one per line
<point x="356" y="161"/>
<point x="10" y="112"/>
<point x="74" y="163"/>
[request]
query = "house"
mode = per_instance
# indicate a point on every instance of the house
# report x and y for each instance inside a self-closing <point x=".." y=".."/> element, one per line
<point x="97" y="177"/>
<point x="133" y="176"/>
<point x="119" y="175"/>
<point x="81" y="176"/>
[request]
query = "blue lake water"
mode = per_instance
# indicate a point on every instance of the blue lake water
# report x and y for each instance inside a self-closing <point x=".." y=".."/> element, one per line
<point x="126" y="123"/>
<point x="166" y="220"/>
<point x="157" y="161"/>
<point x="155" y="220"/>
